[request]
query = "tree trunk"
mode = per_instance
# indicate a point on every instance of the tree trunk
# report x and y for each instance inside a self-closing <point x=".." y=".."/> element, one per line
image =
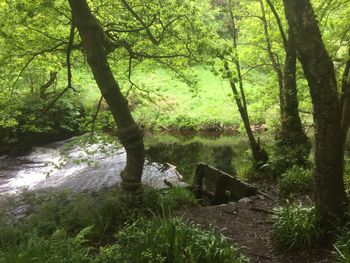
<point x="319" y="71"/>
<point x="129" y="134"/>
<point x="292" y="133"/>
<point x="275" y="62"/>
<point x="260" y="156"/>
<point x="48" y="84"/>
<point x="345" y="101"/>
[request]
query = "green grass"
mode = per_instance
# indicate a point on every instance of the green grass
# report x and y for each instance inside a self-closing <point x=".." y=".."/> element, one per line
<point x="75" y="211"/>
<point x="174" y="104"/>
<point x="211" y="104"/>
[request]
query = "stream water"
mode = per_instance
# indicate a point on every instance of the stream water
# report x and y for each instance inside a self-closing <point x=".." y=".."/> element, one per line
<point x="98" y="165"/>
<point x="227" y="153"/>
<point x="79" y="168"/>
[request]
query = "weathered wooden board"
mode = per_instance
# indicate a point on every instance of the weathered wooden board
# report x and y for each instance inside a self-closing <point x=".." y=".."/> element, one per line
<point x="227" y="187"/>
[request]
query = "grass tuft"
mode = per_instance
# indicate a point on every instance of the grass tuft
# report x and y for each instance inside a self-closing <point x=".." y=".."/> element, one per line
<point x="295" y="227"/>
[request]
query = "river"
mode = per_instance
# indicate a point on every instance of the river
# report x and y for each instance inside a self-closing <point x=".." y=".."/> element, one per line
<point x="69" y="164"/>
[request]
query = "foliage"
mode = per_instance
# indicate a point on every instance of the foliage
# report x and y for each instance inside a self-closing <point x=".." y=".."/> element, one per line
<point x="163" y="72"/>
<point x="168" y="200"/>
<point x="65" y="210"/>
<point x="69" y="227"/>
<point x="104" y="122"/>
<point x="164" y="240"/>
<point x="284" y="157"/>
<point x="30" y="120"/>
<point x="342" y="247"/>
<point x="294" y="181"/>
<point x="295" y="227"/>
<point x="57" y="248"/>
<point x="208" y="108"/>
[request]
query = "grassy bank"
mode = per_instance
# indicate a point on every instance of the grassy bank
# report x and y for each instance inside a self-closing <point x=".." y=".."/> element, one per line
<point x="163" y="101"/>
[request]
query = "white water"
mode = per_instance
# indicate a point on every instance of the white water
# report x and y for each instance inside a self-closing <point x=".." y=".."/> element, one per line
<point x="90" y="168"/>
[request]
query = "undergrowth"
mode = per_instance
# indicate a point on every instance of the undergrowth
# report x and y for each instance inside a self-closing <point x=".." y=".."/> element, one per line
<point x="283" y="157"/>
<point x="96" y="227"/>
<point x="169" y="240"/>
<point x="295" y="227"/>
<point x="342" y="247"/>
<point x="295" y="181"/>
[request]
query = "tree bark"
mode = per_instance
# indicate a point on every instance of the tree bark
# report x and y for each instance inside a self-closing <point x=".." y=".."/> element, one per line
<point x="345" y="101"/>
<point x="292" y="133"/>
<point x="129" y="134"/>
<point x="319" y="71"/>
<point x="259" y="154"/>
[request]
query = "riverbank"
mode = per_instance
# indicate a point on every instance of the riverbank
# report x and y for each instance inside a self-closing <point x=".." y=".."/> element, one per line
<point x="246" y="226"/>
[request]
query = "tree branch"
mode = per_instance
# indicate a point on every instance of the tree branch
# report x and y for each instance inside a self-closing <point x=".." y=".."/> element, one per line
<point x="69" y="71"/>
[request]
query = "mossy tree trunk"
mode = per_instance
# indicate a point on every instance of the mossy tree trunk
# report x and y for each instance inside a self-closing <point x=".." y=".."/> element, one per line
<point x="291" y="135"/>
<point x="95" y="45"/>
<point x="319" y="71"/>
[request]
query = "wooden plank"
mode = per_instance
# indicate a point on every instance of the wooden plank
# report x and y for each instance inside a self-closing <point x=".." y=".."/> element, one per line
<point x="228" y="187"/>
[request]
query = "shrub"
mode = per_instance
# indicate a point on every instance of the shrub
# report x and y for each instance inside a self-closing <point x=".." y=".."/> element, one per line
<point x="169" y="240"/>
<point x="295" y="227"/>
<point x="296" y="180"/>
<point x="31" y="121"/>
<point x="104" y="121"/>
<point x="283" y="157"/>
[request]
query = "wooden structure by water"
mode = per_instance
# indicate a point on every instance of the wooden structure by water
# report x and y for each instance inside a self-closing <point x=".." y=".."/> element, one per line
<point x="218" y="186"/>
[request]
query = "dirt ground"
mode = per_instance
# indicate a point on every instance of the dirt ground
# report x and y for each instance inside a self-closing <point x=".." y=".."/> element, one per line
<point x="248" y="225"/>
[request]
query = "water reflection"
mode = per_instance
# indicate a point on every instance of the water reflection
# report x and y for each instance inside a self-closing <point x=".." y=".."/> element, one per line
<point x="224" y="153"/>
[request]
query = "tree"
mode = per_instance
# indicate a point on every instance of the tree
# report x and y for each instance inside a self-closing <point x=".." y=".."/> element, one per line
<point x="96" y="46"/>
<point x="345" y="100"/>
<point x="145" y="34"/>
<point x="320" y="74"/>
<point x="291" y="135"/>
<point x="259" y="154"/>
<point x="226" y="50"/>
<point x="139" y="34"/>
